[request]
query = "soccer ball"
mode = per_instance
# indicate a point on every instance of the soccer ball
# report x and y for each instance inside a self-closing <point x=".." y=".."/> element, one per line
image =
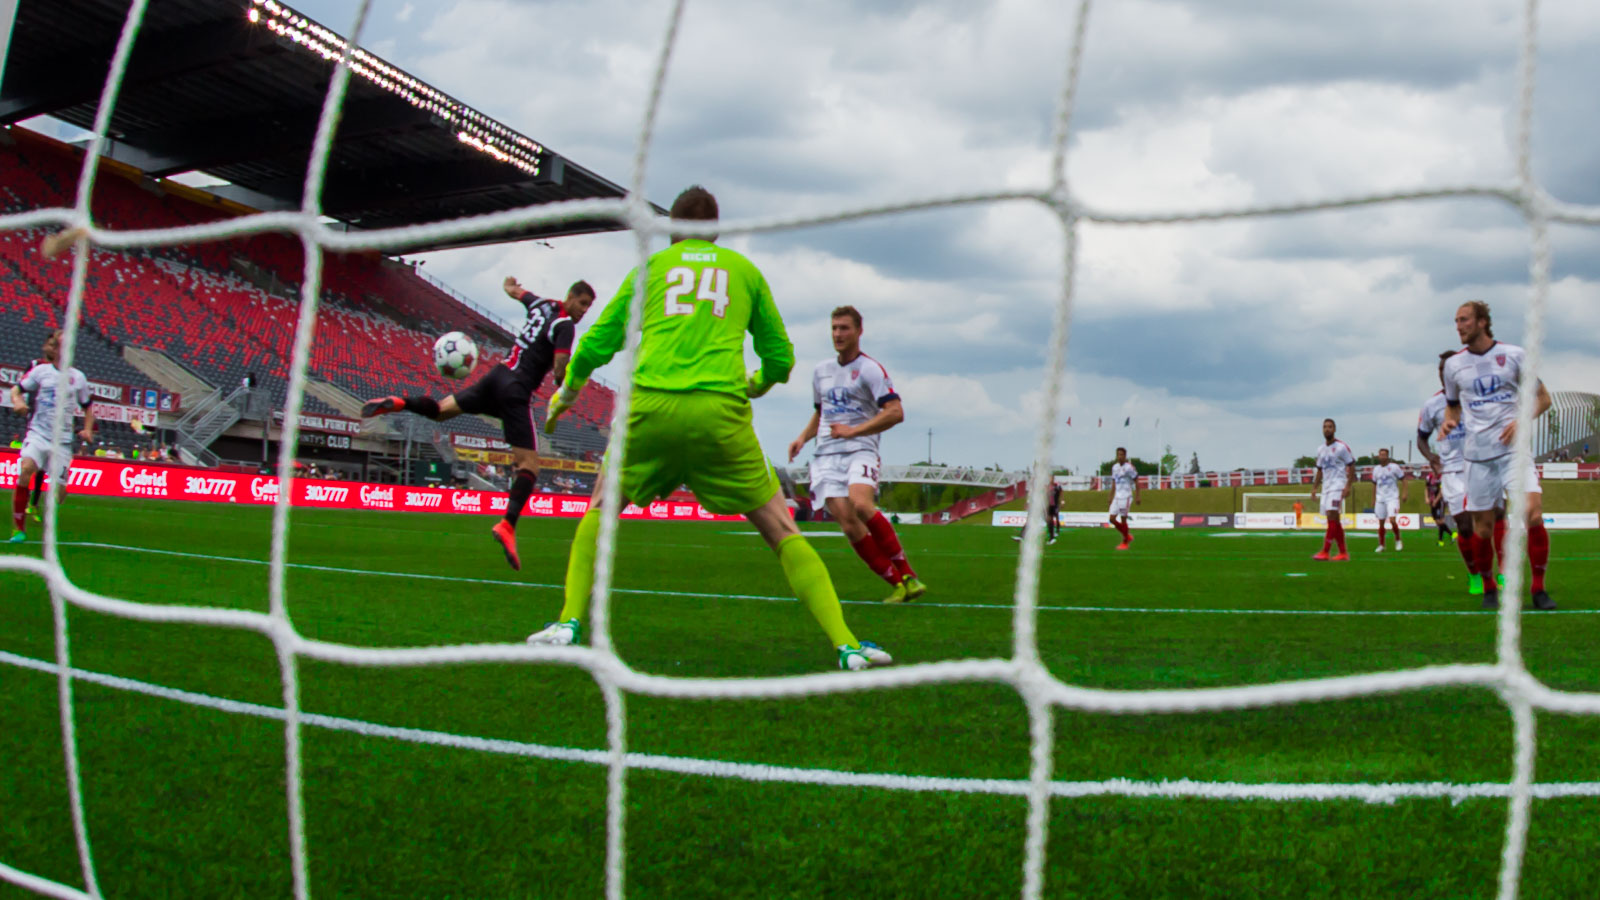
<point x="455" y="355"/>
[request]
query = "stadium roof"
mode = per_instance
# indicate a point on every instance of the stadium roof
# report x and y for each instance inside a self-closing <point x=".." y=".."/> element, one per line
<point x="234" y="88"/>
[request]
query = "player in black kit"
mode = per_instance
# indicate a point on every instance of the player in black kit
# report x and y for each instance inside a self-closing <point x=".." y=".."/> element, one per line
<point x="506" y="392"/>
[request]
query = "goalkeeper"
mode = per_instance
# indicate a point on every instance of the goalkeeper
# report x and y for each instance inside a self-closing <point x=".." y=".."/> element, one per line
<point x="691" y="421"/>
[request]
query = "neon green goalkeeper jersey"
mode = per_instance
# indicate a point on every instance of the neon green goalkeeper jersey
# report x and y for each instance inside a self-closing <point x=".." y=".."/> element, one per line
<point x="702" y="300"/>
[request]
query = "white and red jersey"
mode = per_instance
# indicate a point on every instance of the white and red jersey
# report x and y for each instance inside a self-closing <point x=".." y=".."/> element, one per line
<point x="1123" y="478"/>
<point x="1387" y="479"/>
<point x="1485" y="386"/>
<point x="40" y="384"/>
<point x="1448" y="448"/>
<point x="849" y="394"/>
<point x="1332" y="458"/>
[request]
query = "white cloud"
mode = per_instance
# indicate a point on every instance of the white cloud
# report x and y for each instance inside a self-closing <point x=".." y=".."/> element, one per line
<point x="1239" y="335"/>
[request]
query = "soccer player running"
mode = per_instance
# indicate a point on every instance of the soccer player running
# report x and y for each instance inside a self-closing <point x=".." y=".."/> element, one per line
<point x="42" y="451"/>
<point x="1389" y="481"/>
<point x="1124" y="493"/>
<point x="1480" y="390"/>
<point x="506" y="392"/>
<point x="690" y="422"/>
<point x="855" y="402"/>
<point x="1451" y="467"/>
<point x="1336" y="472"/>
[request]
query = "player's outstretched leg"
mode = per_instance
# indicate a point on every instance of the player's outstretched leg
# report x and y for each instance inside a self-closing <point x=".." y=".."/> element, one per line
<point x="809" y="580"/>
<point x="568" y="627"/>
<point x="859" y="534"/>
<point x="889" y="544"/>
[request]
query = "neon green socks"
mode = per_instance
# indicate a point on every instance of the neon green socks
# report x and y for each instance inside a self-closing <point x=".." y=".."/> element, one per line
<point x="809" y="580"/>
<point x="580" y="566"/>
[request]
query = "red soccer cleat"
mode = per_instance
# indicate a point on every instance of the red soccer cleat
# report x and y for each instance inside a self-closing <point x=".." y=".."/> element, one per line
<point x="1342" y="557"/>
<point x="381" y="406"/>
<point x="1123" y="545"/>
<point x="1321" y="556"/>
<point x="506" y="537"/>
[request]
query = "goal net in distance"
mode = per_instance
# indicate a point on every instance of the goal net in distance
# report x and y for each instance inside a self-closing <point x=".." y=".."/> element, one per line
<point x="1275" y="502"/>
<point x="1023" y="670"/>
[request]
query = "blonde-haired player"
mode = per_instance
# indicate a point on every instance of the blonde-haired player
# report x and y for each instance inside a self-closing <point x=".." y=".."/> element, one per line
<point x="856" y="401"/>
<point x="1481" y="384"/>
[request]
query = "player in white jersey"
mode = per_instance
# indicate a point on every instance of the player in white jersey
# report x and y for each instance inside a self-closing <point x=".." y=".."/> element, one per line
<point x="42" y="449"/>
<point x="1389" y="489"/>
<point x="1480" y="387"/>
<point x="1336" y="472"/>
<point x="1124" y="493"/>
<point x="855" y="403"/>
<point x="1451" y="467"/>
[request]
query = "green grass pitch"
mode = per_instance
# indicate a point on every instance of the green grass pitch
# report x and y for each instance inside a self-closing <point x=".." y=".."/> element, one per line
<point x="188" y="801"/>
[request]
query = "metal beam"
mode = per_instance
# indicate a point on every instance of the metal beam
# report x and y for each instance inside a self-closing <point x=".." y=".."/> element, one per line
<point x="67" y="81"/>
<point x="350" y="193"/>
<point x="280" y="133"/>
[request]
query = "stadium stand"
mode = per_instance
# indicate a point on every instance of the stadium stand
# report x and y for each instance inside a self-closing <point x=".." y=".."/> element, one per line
<point x="228" y="309"/>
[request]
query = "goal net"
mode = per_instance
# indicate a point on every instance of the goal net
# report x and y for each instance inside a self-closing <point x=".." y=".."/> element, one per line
<point x="1275" y="502"/>
<point x="1022" y="670"/>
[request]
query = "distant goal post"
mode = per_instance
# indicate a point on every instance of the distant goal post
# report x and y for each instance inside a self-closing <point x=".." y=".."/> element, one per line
<point x="1275" y="501"/>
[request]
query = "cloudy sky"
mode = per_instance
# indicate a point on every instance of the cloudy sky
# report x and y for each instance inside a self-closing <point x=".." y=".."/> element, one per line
<point x="1239" y="337"/>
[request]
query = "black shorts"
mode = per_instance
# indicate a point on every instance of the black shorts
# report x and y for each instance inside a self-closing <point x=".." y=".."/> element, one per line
<point x="501" y="394"/>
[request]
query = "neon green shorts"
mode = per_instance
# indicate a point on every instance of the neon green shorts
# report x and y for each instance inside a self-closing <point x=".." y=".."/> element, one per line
<point x="702" y="439"/>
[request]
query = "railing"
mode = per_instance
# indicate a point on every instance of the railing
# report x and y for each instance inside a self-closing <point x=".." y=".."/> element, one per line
<point x="931" y="475"/>
<point x="466" y="301"/>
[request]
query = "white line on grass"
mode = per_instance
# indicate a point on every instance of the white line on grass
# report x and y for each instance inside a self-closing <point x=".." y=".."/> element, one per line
<point x="712" y="768"/>
<point x="1188" y="611"/>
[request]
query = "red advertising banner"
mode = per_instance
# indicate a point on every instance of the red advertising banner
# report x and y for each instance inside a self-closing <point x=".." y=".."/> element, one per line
<point x="119" y="478"/>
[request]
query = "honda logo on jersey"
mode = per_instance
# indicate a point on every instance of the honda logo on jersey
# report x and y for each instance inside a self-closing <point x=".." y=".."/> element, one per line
<point x="1487" y="385"/>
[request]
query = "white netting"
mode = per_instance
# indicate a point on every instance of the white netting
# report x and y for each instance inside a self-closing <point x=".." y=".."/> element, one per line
<point x="1024" y="671"/>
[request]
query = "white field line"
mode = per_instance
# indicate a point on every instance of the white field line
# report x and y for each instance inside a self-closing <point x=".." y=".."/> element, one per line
<point x="711" y="768"/>
<point x="1151" y="610"/>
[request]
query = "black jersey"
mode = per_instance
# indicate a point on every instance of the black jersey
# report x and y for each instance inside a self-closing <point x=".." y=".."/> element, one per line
<point x="546" y="332"/>
<point x="1055" y="495"/>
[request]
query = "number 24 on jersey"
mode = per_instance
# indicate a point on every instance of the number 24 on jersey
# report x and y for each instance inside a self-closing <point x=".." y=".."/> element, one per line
<point x="713" y="286"/>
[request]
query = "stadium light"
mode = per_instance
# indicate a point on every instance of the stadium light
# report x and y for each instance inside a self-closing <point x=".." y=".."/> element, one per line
<point x="472" y="128"/>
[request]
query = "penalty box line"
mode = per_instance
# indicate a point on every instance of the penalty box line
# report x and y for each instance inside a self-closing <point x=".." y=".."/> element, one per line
<point x="1149" y="610"/>
<point x="1383" y="793"/>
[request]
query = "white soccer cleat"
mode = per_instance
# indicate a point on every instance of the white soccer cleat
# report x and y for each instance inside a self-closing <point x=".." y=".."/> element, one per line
<point x="558" y="634"/>
<point x="1379" y="549"/>
<point x="1399" y="544"/>
<point x="876" y="655"/>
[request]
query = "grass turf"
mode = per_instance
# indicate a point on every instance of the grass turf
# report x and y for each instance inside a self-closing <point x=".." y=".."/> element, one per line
<point x="189" y="801"/>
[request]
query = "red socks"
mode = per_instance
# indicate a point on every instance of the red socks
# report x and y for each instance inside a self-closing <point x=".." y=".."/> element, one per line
<point x="867" y="548"/>
<point x="1381" y="525"/>
<point x="1465" y="542"/>
<point x="1483" y="552"/>
<point x="1538" y="553"/>
<point x="1336" y="532"/>
<point x="19" y="506"/>
<point x="889" y="543"/>
<point x="1499" y="538"/>
<point x="1122" y="529"/>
